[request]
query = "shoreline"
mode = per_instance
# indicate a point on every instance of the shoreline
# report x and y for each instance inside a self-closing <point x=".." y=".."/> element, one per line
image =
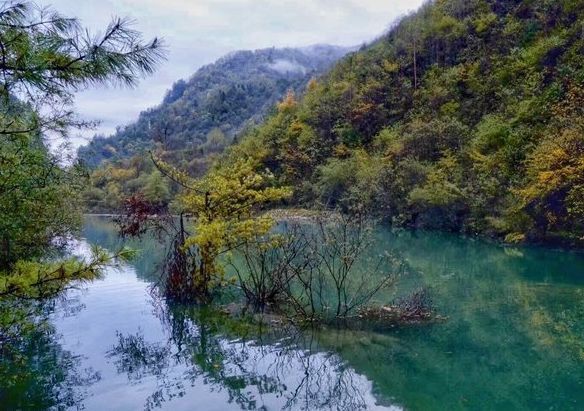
<point x="305" y="215"/>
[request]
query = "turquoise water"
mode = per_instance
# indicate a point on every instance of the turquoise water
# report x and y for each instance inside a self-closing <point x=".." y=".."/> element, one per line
<point x="512" y="339"/>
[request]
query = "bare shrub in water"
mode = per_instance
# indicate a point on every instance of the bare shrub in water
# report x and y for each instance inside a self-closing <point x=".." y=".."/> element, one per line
<point x="264" y="268"/>
<point x="318" y="271"/>
<point x="414" y="308"/>
<point x="339" y="273"/>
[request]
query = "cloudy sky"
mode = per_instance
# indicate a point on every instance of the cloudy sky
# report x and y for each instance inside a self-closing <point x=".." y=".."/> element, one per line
<point x="198" y="32"/>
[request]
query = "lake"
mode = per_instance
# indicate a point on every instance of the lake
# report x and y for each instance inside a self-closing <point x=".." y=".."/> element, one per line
<point x="512" y="339"/>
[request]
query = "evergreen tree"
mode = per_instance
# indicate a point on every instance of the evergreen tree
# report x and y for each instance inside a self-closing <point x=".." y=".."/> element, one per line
<point x="44" y="59"/>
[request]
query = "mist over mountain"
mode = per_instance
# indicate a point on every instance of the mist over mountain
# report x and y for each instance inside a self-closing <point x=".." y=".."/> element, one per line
<point x="222" y="98"/>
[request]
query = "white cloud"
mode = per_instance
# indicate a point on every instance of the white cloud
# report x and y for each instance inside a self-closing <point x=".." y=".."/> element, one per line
<point x="200" y="31"/>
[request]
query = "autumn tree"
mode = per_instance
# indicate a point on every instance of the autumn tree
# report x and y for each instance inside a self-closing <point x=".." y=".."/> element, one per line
<point x="224" y="207"/>
<point x="554" y="193"/>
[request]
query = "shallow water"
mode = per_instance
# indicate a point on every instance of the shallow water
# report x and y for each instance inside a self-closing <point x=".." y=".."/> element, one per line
<point x="513" y="338"/>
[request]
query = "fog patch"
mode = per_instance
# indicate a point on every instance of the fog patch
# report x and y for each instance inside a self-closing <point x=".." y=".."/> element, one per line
<point x="283" y="66"/>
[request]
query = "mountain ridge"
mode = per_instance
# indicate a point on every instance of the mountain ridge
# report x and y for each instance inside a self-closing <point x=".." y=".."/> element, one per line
<point x="234" y="92"/>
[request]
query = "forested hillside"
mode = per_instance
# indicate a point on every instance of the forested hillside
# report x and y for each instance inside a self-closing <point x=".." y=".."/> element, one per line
<point x="467" y="116"/>
<point x="214" y="105"/>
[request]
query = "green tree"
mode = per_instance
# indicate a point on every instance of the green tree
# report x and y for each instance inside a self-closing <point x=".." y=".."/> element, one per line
<point x="156" y="189"/>
<point x="216" y="140"/>
<point x="44" y="59"/>
<point x="38" y="199"/>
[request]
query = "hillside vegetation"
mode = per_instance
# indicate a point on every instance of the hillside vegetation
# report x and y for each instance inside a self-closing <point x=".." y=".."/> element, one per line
<point x="467" y="116"/>
<point x="197" y="119"/>
<point x="216" y="103"/>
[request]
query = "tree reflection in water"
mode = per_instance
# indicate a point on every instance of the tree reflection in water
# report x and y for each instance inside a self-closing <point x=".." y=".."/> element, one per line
<point x="259" y="367"/>
<point x="35" y="371"/>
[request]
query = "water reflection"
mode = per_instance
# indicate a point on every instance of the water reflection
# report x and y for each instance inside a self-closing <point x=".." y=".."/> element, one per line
<point x="513" y="339"/>
<point x="258" y="366"/>
<point x="35" y="371"/>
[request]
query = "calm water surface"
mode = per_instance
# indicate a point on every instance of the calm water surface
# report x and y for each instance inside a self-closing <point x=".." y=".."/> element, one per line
<point x="513" y="339"/>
